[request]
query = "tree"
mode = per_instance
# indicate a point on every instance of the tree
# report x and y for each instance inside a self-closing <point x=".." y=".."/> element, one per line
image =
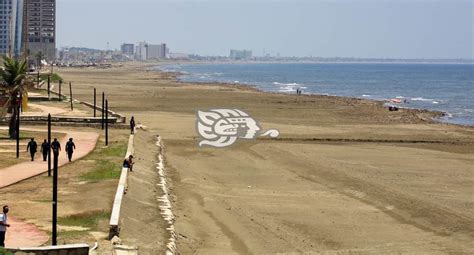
<point x="14" y="81"/>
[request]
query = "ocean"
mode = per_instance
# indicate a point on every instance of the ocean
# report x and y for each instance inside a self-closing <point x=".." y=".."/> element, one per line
<point x="442" y="87"/>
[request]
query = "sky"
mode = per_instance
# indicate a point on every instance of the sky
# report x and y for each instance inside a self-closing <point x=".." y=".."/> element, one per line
<point x="324" y="28"/>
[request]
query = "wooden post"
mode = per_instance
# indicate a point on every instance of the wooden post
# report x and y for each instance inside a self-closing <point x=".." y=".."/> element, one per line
<point x="106" y="122"/>
<point x="38" y="80"/>
<point x="95" y="102"/>
<point x="103" y="106"/>
<point x="49" y="86"/>
<point x="70" y="93"/>
<point x="60" y="84"/>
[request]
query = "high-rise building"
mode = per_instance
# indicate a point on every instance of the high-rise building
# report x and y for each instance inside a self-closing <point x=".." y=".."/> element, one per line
<point x="156" y="51"/>
<point x="128" y="49"/>
<point x="240" y="54"/>
<point x="11" y="22"/>
<point x="141" y="51"/>
<point x="41" y="28"/>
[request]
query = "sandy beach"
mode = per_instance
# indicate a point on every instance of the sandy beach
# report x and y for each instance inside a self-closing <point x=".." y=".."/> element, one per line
<point x="345" y="175"/>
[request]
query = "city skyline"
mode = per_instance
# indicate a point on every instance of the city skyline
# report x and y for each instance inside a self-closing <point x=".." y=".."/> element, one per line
<point x="363" y="29"/>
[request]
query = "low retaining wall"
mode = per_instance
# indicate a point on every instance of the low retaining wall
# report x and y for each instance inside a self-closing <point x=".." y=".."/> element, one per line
<point x="114" y="223"/>
<point x="120" y="118"/>
<point x="73" y="249"/>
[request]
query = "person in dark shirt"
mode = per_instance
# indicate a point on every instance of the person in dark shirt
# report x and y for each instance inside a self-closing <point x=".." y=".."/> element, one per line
<point x="45" y="149"/>
<point x="32" y="147"/>
<point x="56" y="147"/>
<point x="70" y="147"/>
<point x="132" y="125"/>
<point x="128" y="163"/>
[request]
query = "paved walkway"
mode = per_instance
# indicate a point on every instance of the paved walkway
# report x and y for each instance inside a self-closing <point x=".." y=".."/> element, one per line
<point x="44" y="110"/>
<point x="28" y="235"/>
<point x="22" y="234"/>
<point x="85" y="143"/>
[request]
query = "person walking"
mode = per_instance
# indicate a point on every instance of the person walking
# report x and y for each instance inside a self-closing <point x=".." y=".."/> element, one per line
<point x="45" y="149"/>
<point x="70" y="147"/>
<point x="132" y="125"/>
<point x="33" y="148"/>
<point x="3" y="225"/>
<point x="56" y="147"/>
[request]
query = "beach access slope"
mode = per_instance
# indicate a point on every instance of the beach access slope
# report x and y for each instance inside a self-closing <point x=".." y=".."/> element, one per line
<point x="346" y="175"/>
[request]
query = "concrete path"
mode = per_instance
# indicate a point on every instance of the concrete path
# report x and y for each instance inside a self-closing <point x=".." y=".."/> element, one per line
<point x="45" y="110"/>
<point x="28" y="235"/>
<point x="22" y="234"/>
<point x="85" y="143"/>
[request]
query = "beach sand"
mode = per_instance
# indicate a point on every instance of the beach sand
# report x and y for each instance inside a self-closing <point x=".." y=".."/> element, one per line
<point x="345" y="175"/>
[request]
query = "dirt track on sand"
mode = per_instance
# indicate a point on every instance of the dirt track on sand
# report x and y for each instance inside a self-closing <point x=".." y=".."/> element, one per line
<point x="344" y="177"/>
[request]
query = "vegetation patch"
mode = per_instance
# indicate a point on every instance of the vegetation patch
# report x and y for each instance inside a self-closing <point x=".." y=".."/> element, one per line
<point x="54" y="77"/>
<point x="103" y="170"/>
<point x="88" y="220"/>
<point x="107" y="163"/>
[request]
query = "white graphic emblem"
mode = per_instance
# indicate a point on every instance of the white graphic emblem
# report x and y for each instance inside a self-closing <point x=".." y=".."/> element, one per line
<point x="222" y="127"/>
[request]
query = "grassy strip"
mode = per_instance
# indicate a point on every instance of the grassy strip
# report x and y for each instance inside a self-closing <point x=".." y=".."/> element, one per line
<point x="54" y="77"/>
<point x="87" y="220"/>
<point x="107" y="163"/>
<point x="103" y="170"/>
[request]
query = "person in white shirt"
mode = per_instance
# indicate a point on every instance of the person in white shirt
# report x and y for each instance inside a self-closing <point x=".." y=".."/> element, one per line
<point x="3" y="225"/>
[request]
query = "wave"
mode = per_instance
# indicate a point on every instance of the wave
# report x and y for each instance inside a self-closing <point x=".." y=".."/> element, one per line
<point x="286" y="84"/>
<point x="422" y="99"/>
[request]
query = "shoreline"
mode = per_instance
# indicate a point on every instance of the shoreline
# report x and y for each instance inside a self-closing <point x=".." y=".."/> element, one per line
<point x="350" y="163"/>
<point x="435" y="115"/>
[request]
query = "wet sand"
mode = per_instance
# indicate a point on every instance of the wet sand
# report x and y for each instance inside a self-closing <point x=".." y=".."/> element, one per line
<point x="345" y="176"/>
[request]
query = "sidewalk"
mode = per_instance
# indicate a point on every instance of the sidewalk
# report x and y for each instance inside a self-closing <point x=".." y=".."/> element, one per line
<point x="85" y="143"/>
<point x="22" y="234"/>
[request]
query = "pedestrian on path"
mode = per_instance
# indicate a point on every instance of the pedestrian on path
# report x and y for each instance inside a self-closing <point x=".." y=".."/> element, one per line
<point x="132" y="125"/>
<point x="70" y="147"/>
<point x="45" y="149"/>
<point x="3" y="225"/>
<point x="33" y="148"/>
<point x="56" y="147"/>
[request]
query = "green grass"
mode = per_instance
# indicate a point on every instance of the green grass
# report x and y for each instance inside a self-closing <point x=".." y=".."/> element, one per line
<point x="87" y="220"/>
<point x="54" y="77"/>
<point x="103" y="170"/>
<point x="4" y="252"/>
<point x="107" y="163"/>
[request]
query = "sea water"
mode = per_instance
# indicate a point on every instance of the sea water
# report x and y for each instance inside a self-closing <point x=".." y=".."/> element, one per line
<point x="442" y="87"/>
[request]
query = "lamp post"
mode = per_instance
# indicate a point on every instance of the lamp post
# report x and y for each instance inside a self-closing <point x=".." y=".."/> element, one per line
<point x="49" y="145"/>
<point x="106" y="122"/>
<point x="55" y="199"/>
<point x="95" y="102"/>
<point x="70" y="93"/>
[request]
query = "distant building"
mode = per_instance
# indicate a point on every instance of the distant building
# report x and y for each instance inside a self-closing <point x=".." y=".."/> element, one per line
<point x="240" y="54"/>
<point x="141" y="51"/>
<point x="11" y="27"/>
<point x="128" y="49"/>
<point x="157" y="51"/>
<point x="41" y="28"/>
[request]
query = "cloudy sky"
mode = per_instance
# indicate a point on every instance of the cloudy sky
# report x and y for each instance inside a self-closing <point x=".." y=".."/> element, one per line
<point x="327" y="28"/>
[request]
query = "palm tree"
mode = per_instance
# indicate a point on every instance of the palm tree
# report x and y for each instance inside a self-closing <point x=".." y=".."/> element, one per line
<point x="14" y="82"/>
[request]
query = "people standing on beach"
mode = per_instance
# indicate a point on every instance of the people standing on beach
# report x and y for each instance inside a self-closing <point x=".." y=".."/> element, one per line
<point x="56" y="147"/>
<point x="45" y="149"/>
<point x="4" y="225"/>
<point x="70" y="147"/>
<point x="32" y="147"/>
<point x="132" y="125"/>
